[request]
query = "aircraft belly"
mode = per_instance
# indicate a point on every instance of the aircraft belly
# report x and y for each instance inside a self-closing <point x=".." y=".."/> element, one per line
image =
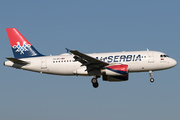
<point x="80" y="71"/>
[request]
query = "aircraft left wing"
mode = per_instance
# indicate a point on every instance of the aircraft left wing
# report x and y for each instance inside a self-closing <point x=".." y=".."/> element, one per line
<point x="88" y="61"/>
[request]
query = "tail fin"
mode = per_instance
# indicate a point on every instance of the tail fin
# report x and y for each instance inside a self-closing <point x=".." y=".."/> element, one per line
<point x="20" y="46"/>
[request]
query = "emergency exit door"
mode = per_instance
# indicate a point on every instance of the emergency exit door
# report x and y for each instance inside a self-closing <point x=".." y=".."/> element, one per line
<point x="43" y="63"/>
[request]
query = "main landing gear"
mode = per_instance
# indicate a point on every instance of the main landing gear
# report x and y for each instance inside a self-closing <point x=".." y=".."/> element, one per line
<point x="150" y="74"/>
<point x="95" y="81"/>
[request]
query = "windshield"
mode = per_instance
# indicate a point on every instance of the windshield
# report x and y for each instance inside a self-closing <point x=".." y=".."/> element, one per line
<point x="163" y="56"/>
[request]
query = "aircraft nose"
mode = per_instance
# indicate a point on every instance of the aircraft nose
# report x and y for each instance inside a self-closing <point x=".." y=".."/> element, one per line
<point x="173" y="62"/>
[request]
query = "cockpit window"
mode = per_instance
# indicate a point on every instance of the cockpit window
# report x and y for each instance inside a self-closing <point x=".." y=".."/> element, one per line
<point x="163" y="56"/>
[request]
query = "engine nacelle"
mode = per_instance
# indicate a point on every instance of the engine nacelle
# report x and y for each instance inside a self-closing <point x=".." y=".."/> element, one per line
<point x="115" y="73"/>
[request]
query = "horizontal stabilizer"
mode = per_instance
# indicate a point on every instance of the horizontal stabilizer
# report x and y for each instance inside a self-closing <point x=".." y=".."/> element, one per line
<point x="14" y="60"/>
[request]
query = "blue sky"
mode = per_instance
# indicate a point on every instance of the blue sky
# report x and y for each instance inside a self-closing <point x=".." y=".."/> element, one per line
<point x="90" y="27"/>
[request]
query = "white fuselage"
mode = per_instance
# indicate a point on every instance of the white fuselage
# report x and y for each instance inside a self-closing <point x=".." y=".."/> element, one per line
<point x="137" y="61"/>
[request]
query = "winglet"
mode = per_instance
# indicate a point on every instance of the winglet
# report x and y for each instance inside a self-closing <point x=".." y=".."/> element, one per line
<point x="68" y="50"/>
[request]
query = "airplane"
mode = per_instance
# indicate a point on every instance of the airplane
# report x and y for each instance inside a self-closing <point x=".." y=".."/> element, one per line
<point x="112" y="66"/>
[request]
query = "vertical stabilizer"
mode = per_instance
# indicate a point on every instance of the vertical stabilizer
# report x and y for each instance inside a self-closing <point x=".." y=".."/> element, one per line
<point x="20" y="46"/>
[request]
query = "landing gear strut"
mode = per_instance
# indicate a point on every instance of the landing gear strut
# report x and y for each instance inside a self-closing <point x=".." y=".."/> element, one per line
<point x="95" y="81"/>
<point x="150" y="74"/>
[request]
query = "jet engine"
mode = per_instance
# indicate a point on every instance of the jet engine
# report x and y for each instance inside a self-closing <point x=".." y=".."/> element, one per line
<point x="115" y="73"/>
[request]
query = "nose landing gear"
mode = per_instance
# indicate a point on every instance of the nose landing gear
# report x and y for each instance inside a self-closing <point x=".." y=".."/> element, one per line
<point x="150" y="74"/>
<point x="151" y="80"/>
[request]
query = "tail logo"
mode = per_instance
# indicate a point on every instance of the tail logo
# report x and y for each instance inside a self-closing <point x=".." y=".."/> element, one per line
<point x="22" y="48"/>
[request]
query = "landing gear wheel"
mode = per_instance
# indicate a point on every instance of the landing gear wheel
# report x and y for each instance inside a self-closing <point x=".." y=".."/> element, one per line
<point x="95" y="82"/>
<point x="95" y="85"/>
<point x="152" y="80"/>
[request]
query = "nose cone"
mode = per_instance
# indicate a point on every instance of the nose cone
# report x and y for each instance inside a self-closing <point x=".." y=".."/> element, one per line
<point x="173" y="62"/>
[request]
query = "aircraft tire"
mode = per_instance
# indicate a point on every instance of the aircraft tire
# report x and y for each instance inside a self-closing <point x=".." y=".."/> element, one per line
<point x="95" y="85"/>
<point x="94" y="80"/>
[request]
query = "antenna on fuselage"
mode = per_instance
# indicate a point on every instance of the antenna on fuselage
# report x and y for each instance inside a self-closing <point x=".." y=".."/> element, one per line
<point x="147" y="49"/>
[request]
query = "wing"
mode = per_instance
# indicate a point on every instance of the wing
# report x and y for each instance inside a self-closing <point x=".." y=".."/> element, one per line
<point x="88" y="61"/>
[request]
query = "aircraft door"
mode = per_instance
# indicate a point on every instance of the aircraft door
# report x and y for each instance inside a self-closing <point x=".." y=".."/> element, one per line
<point x="43" y="63"/>
<point x="150" y="57"/>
